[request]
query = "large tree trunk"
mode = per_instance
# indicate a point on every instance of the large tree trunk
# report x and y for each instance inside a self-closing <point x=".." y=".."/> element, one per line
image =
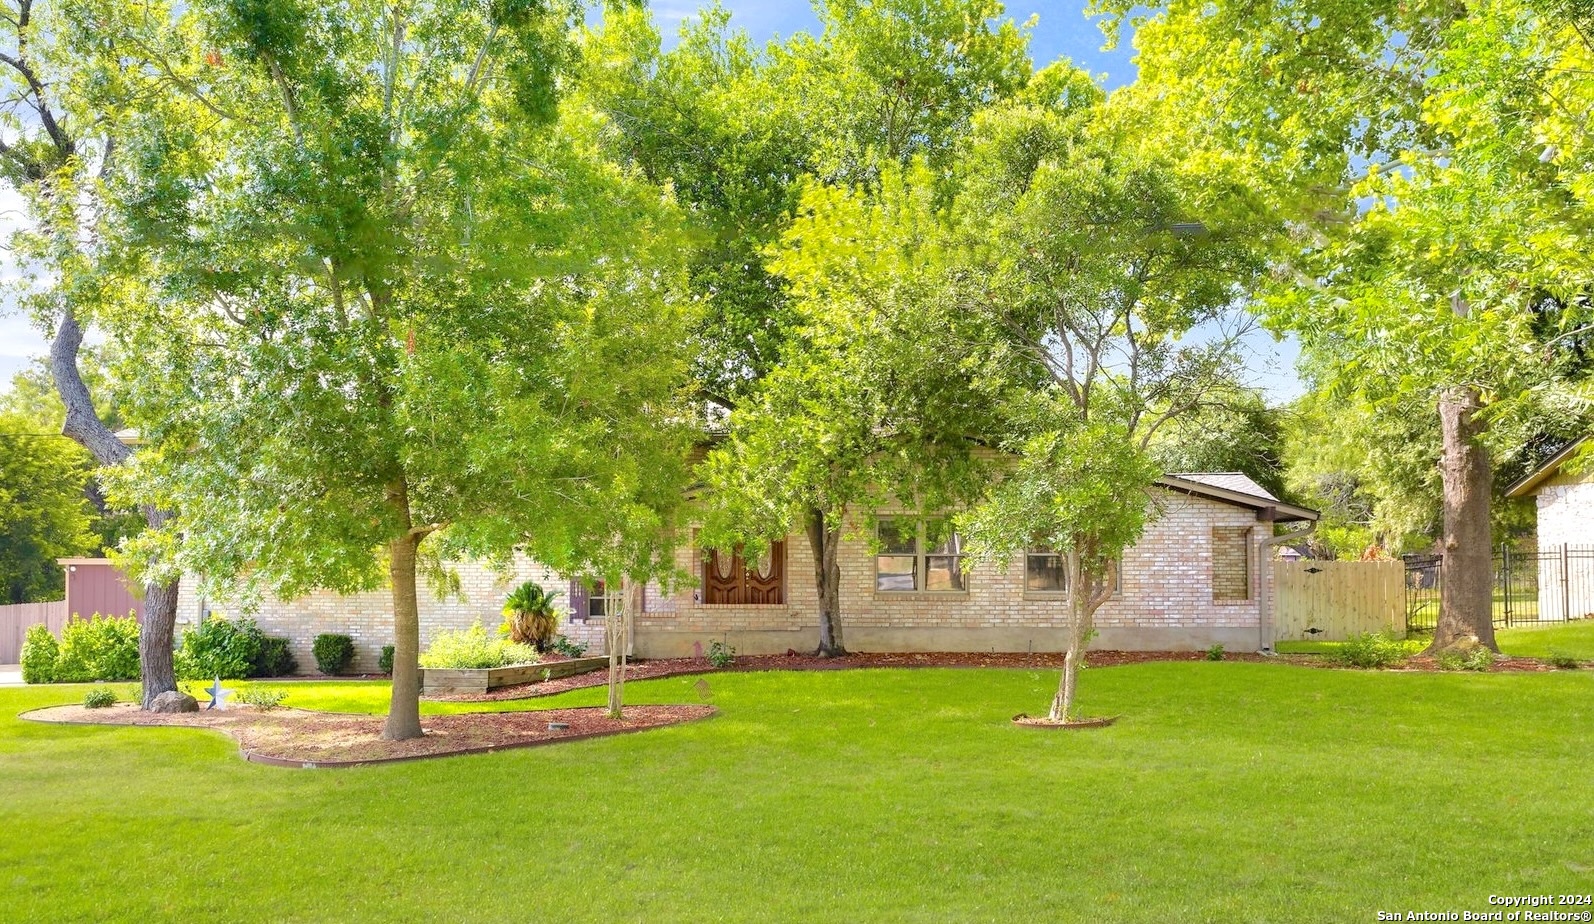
<point x="83" y="424"/>
<point x="155" y="641"/>
<point x="824" y="539"/>
<point x="1466" y="606"/>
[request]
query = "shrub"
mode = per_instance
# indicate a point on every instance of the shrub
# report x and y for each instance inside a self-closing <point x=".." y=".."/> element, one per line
<point x="473" y="647"/>
<point x="1371" y="649"/>
<point x="529" y="616"/>
<point x="564" y="646"/>
<point x="219" y="647"/>
<point x="98" y="648"/>
<point x="385" y="662"/>
<point x="1476" y="659"/>
<point x="274" y="659"/>
<point x="39" y="651"/>
<point x="99" y="699"/>
<point x="333" y="652"/>
<point x="261" y="697"/>
<point x="1564" y="660"/>
<point x="721" y="654"/>
<point x="1215" y="653"/>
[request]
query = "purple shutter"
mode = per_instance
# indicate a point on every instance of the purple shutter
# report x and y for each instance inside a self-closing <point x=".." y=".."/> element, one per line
<point x="578" y="601"/>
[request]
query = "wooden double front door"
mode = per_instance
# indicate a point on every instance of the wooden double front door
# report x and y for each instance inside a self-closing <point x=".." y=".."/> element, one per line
<point x="729" y="579"/>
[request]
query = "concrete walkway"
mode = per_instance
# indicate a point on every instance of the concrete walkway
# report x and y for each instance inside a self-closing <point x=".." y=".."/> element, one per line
<point x="10" y="675"/>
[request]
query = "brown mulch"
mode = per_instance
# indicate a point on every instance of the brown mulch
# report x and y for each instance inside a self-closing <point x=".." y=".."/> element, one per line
<point x="1040" y="721"/>
<point x="678" y="667"/>
<point x="298" y="737"/>
<point x="1048" y="660"/>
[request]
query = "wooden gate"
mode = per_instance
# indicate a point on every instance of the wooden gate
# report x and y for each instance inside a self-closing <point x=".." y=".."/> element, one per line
<point x="1331" y="601"/>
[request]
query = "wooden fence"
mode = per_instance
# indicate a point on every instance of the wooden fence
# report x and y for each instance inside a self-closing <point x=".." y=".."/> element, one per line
<point x="1331" y="601"/>
<point x="14" y="622"/>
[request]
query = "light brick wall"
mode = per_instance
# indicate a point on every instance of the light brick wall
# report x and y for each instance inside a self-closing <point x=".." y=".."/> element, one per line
<point x="1167" y="582"/>
<point x="1231" y="563"/>
<point x="1167" y="585"/>
<point x="368" y="617"/>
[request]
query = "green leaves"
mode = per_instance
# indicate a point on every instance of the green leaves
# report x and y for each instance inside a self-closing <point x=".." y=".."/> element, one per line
<point x="409" y="291"/>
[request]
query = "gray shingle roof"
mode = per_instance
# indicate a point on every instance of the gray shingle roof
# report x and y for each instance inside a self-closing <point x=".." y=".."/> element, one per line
<point x="1228" y="481"/>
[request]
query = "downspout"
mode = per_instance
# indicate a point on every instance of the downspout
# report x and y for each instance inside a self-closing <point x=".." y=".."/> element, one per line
<point x="1264" y="616"/>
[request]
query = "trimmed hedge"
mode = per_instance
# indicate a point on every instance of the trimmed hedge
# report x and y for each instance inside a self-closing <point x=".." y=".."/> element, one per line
<point x="333" y="652"/>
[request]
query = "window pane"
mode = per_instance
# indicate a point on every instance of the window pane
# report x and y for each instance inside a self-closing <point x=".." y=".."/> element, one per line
<point x="941" y="539"/>
<point x="943" y="572"/>
<point x="895" y="572"/>
<point x="899" y="536"/>
<point x="1045" y="571"/>
<point x="595" y="607"/>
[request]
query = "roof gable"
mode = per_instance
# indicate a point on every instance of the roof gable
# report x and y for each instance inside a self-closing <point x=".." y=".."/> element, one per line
<point x="1530" y="483"/>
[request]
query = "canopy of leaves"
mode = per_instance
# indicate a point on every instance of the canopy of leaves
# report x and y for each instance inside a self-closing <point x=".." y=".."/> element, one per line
<point x="392" y="284"/>
<point x="44" y="514"/>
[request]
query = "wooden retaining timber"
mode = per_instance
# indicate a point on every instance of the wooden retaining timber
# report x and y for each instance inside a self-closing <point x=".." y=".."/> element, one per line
<point x="480" y="680"/>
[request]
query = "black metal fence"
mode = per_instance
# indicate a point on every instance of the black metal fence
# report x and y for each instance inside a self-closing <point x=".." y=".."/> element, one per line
<point x="1550" y="584"/>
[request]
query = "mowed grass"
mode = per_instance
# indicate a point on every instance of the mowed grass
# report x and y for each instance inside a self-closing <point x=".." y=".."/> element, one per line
<point x="1575" y="639"/>
<point x="1227" y="792"/>
<point x="1570" y="638"/>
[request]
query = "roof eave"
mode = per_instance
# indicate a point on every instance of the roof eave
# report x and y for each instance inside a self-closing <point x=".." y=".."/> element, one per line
<point x="1530" y="482"/>
<point x="1282" y="512"/>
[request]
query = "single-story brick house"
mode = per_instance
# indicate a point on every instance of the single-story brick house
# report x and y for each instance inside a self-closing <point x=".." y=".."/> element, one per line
<point x="1196" y="578"/>
<point x="1565" y="500"/>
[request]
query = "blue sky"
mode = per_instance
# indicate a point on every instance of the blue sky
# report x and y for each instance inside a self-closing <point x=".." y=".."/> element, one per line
<point x="1061" y="29"/>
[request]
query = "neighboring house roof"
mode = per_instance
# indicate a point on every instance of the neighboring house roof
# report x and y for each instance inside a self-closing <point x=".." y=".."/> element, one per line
<point x="1235" y="488"/>
<point x="1529" y="484"/>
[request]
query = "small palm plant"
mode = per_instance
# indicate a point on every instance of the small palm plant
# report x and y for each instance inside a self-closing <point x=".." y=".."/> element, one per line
<point x="529" y="615"/>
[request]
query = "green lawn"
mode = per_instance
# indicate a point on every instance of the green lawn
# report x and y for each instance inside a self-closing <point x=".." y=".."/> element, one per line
<point x="1228" y="792"/>
<point x="1574" y="638"/>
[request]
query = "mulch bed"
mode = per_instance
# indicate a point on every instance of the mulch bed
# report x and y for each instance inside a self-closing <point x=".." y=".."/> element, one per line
<point x="1049" y="660"/>
<point x="792" y="661"/>
<point x="1040" y="721"/>
<point x="303" y="738"/>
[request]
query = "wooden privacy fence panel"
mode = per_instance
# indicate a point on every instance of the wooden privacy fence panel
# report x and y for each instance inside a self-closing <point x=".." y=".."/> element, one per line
<point x="14" y="622"/>
<point x="1331" y="601"/>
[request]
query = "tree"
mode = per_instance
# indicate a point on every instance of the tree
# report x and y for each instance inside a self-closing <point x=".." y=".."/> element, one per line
<point x="1245" y="435"/>
<point x="400" y="306"/>
<point x="44" y="514"/>
<point x="747" y="137"/>
<point x="874" y="403"/>
<point x="1434" y="144"/>
<point x="1111" y="278"/>
<point x="61" y="144"/>
<point x="736" y="130"/>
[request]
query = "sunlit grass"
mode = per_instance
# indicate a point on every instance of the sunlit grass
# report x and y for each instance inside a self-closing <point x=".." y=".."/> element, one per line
<point x="1227" y="792"/>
